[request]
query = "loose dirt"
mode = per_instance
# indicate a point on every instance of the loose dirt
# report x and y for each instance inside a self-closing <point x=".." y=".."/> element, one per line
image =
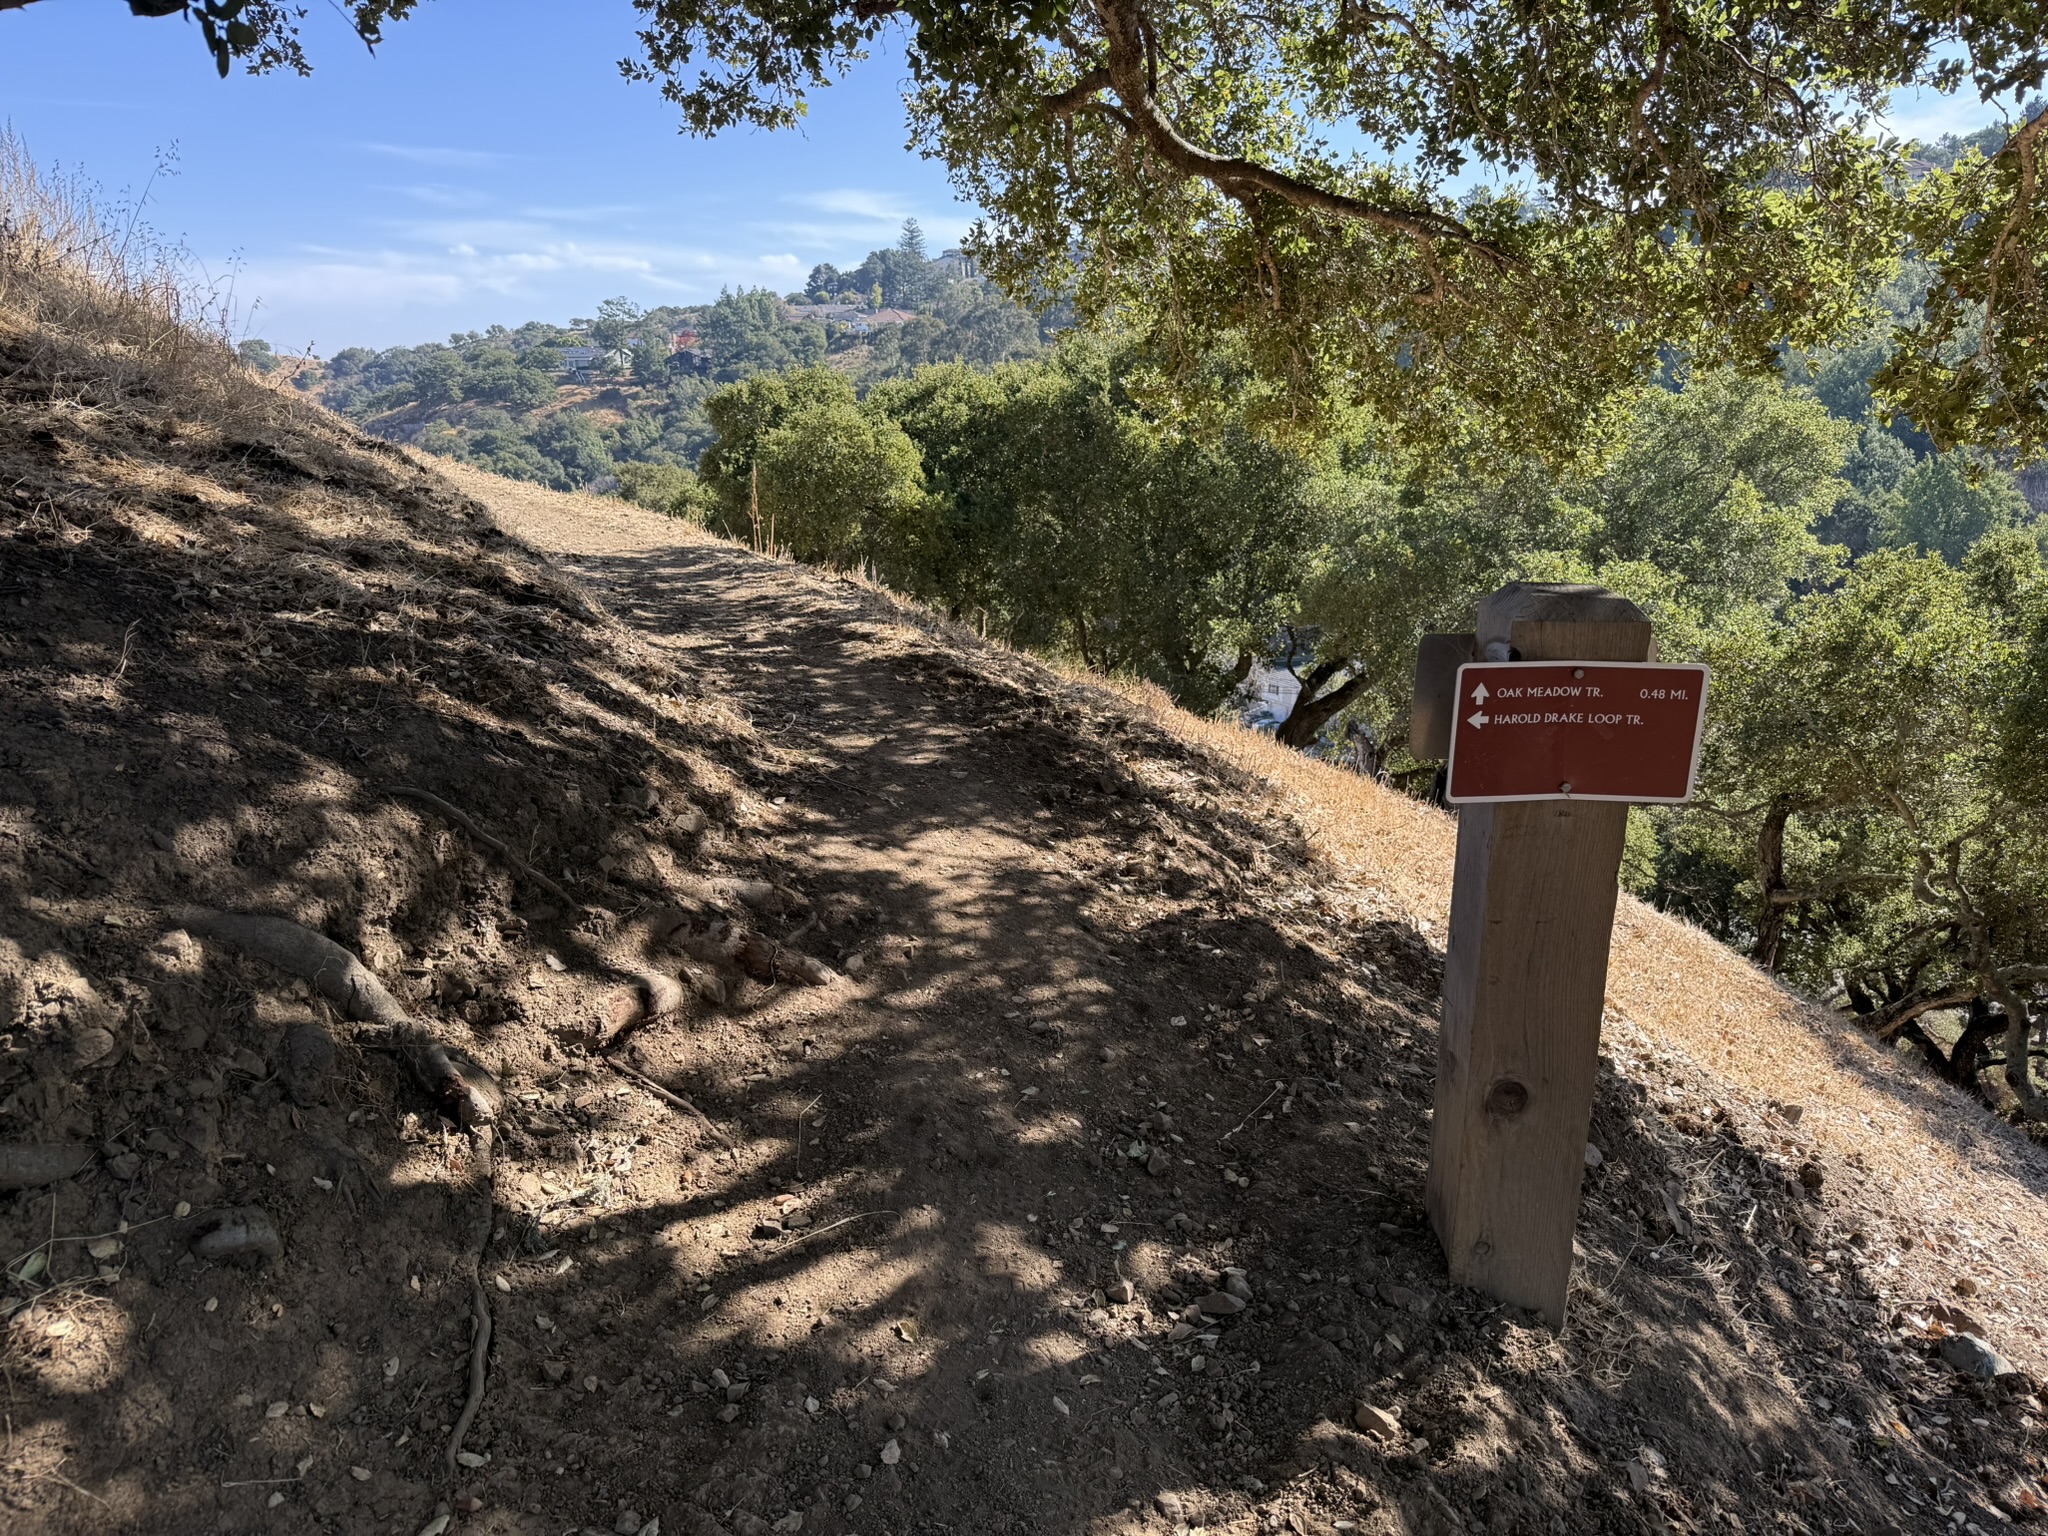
<point x="1015" y="1019"/>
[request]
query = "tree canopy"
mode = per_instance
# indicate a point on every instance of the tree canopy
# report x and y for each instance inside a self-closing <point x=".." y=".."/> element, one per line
<point x="261" y="35"/>
<point x="1490" y="214"/>
<point x="1481" y="219"/>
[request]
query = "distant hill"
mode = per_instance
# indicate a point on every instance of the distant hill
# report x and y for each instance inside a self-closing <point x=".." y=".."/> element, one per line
<point x="616" y="401"/>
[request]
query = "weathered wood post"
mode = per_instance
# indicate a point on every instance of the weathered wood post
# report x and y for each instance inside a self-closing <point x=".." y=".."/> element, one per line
<point x="1532" y="911"/>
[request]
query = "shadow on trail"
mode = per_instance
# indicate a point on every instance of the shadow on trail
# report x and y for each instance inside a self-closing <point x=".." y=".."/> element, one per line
<point x="1100" y="1032"/>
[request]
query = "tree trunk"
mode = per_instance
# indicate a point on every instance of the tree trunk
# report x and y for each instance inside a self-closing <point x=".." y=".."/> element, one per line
<point x="1312" y="712"/>
<point x="1960" y="1063"/>
<point x="1770" y="878"/>
<point x="2018" y="1026"/>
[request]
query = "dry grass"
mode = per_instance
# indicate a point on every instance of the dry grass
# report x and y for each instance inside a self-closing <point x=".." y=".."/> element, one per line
<point x="1949" y="1160"/>
<point x="97" y="309"/>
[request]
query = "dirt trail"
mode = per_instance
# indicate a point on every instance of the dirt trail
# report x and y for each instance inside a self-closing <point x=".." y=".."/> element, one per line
<point x="1024" y="1052"/>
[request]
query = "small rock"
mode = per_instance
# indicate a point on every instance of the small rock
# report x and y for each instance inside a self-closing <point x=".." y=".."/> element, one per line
<point x="1181" y="1331"/>
<point x="1973" y="1356"/>
<point x="103" y="1247"/>
<point x="554" y="1370"/>
<point x="1158" y="1164"/>
<point x="898" y="1423"/>
<point x="126" y="1166"/>
<point x="590" y="1383"/>
<point x="277" y="1410"/>
<point x="1400" y="1296"/>
<point x="241" y="1232"/>
<point x="360" y="1474"/>
<point x="651" y="1528"/>
<point x="628" y="1523"/>
<point x="1122" y="1292"/>
<point x="1220" y="1304"/>
<point x="436" y="1526"/>
<point x="892" y="1453"/>
<point x="91" y="1045"/>
<point x="1791" y="1114"/>
<point x="793" y="1521"/>
<point x="471" y="1459"/>
<point x="728" y="1413"/>
<point x="720" y="1380"/>
<point x="1812" y="1177"/>
<point x="767" y="1231"/>
<point x="1594" y="1156"/>
<point x="855" y="964"/>
<point x="1377" y="1422"/>
<point x="1963" y="1285"/>
<point x="306" y="1062"/>
<point x="1237" y="1285"/>
<point x="1172" y="1506"/>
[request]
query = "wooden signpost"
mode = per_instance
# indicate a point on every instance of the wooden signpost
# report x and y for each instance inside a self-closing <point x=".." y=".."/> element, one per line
<point x="1543" y="792"/>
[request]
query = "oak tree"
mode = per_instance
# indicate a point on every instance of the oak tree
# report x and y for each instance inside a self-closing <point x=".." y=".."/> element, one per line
<point x="1482" y="219"/>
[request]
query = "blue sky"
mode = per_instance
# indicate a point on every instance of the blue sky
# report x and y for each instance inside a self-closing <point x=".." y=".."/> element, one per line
<point x="488" y="165"/>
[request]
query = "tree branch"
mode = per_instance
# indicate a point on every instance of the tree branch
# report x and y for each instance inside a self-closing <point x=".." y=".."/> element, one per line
<point x="1125" y="24"/>
<point x="1061" y="103"/>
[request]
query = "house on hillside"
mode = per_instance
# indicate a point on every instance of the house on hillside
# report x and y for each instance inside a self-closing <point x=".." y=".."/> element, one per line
<point x="585" y="364"/>
<point x="1267" y="697"/>
<point x="956" y="264"/>
<point x="882" y="317"/>
<point x="688" y="362"/>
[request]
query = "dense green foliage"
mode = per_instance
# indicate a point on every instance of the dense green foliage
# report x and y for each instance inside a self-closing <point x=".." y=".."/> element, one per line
<point x="1654" y="174"/>
<point x="1871" y="821"/>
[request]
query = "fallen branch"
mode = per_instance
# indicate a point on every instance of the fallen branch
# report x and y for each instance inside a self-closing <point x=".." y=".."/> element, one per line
<point x="503" y="849"/>
<point x="468" y="1092"/>
<point x="675" y="1100"/>
<point x="1247" y="1120"/>
<point x="830" y="1226"/>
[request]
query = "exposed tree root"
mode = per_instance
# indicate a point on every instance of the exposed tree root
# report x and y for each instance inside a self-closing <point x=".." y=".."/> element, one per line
<point x="500" y="847"/>
<point x="464" y="1089"/>
<point x="479" y="1363"/>
<point x="30" y="1166"/>
<point x="480" y="1306"/>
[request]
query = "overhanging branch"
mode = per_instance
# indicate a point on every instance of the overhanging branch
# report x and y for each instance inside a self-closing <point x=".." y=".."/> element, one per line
<point x="1125" y="26"/>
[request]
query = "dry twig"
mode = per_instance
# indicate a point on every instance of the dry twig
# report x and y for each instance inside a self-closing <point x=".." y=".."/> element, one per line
<point x="503" y="849"/>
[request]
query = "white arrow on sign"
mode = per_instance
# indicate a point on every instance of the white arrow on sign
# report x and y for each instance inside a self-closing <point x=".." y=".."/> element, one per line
<point x="1476" y="721"/>
<point x="1479" y="695"/>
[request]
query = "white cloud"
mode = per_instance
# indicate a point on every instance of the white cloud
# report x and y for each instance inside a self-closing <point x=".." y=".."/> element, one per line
<point x="435" y="154"/>
<point x="875" y="207"/>
<point x="436" y="195"/>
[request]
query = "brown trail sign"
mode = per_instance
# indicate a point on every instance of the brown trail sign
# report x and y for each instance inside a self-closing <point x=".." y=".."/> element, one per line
<point x="1537" y="730"/>
<point x="1543" y="780"/>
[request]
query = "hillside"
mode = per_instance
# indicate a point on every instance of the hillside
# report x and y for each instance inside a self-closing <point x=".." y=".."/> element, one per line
<point x="896" y="1037"/>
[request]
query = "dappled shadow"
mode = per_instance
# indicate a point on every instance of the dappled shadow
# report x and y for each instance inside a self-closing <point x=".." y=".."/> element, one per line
<point x="1098" y="1025"/>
